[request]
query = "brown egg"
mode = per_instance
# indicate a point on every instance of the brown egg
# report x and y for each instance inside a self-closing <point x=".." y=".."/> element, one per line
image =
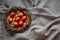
<point x="10" y="19"/>
<point x="24" y="18"/>
<point x="20" y="14"/>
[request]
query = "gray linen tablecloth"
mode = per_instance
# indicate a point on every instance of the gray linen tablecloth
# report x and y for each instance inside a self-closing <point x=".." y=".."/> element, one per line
<point x="45" y="16"/>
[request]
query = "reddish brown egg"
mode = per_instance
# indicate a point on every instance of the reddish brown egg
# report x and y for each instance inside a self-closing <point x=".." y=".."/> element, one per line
<point x="16" y="24"/>
<point x="12" y="14"/>
<point x="21" y="23"/>
<point x="17" y="19"/>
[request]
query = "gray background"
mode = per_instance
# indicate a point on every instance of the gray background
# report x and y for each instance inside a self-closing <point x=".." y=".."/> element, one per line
<point x="50" y="8"/>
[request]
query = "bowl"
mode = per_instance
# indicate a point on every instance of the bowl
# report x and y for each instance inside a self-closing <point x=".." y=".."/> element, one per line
<point x="10" y="25"/>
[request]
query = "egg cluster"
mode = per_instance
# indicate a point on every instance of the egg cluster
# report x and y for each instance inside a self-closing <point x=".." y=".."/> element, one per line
<point x="17" y="19"/>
